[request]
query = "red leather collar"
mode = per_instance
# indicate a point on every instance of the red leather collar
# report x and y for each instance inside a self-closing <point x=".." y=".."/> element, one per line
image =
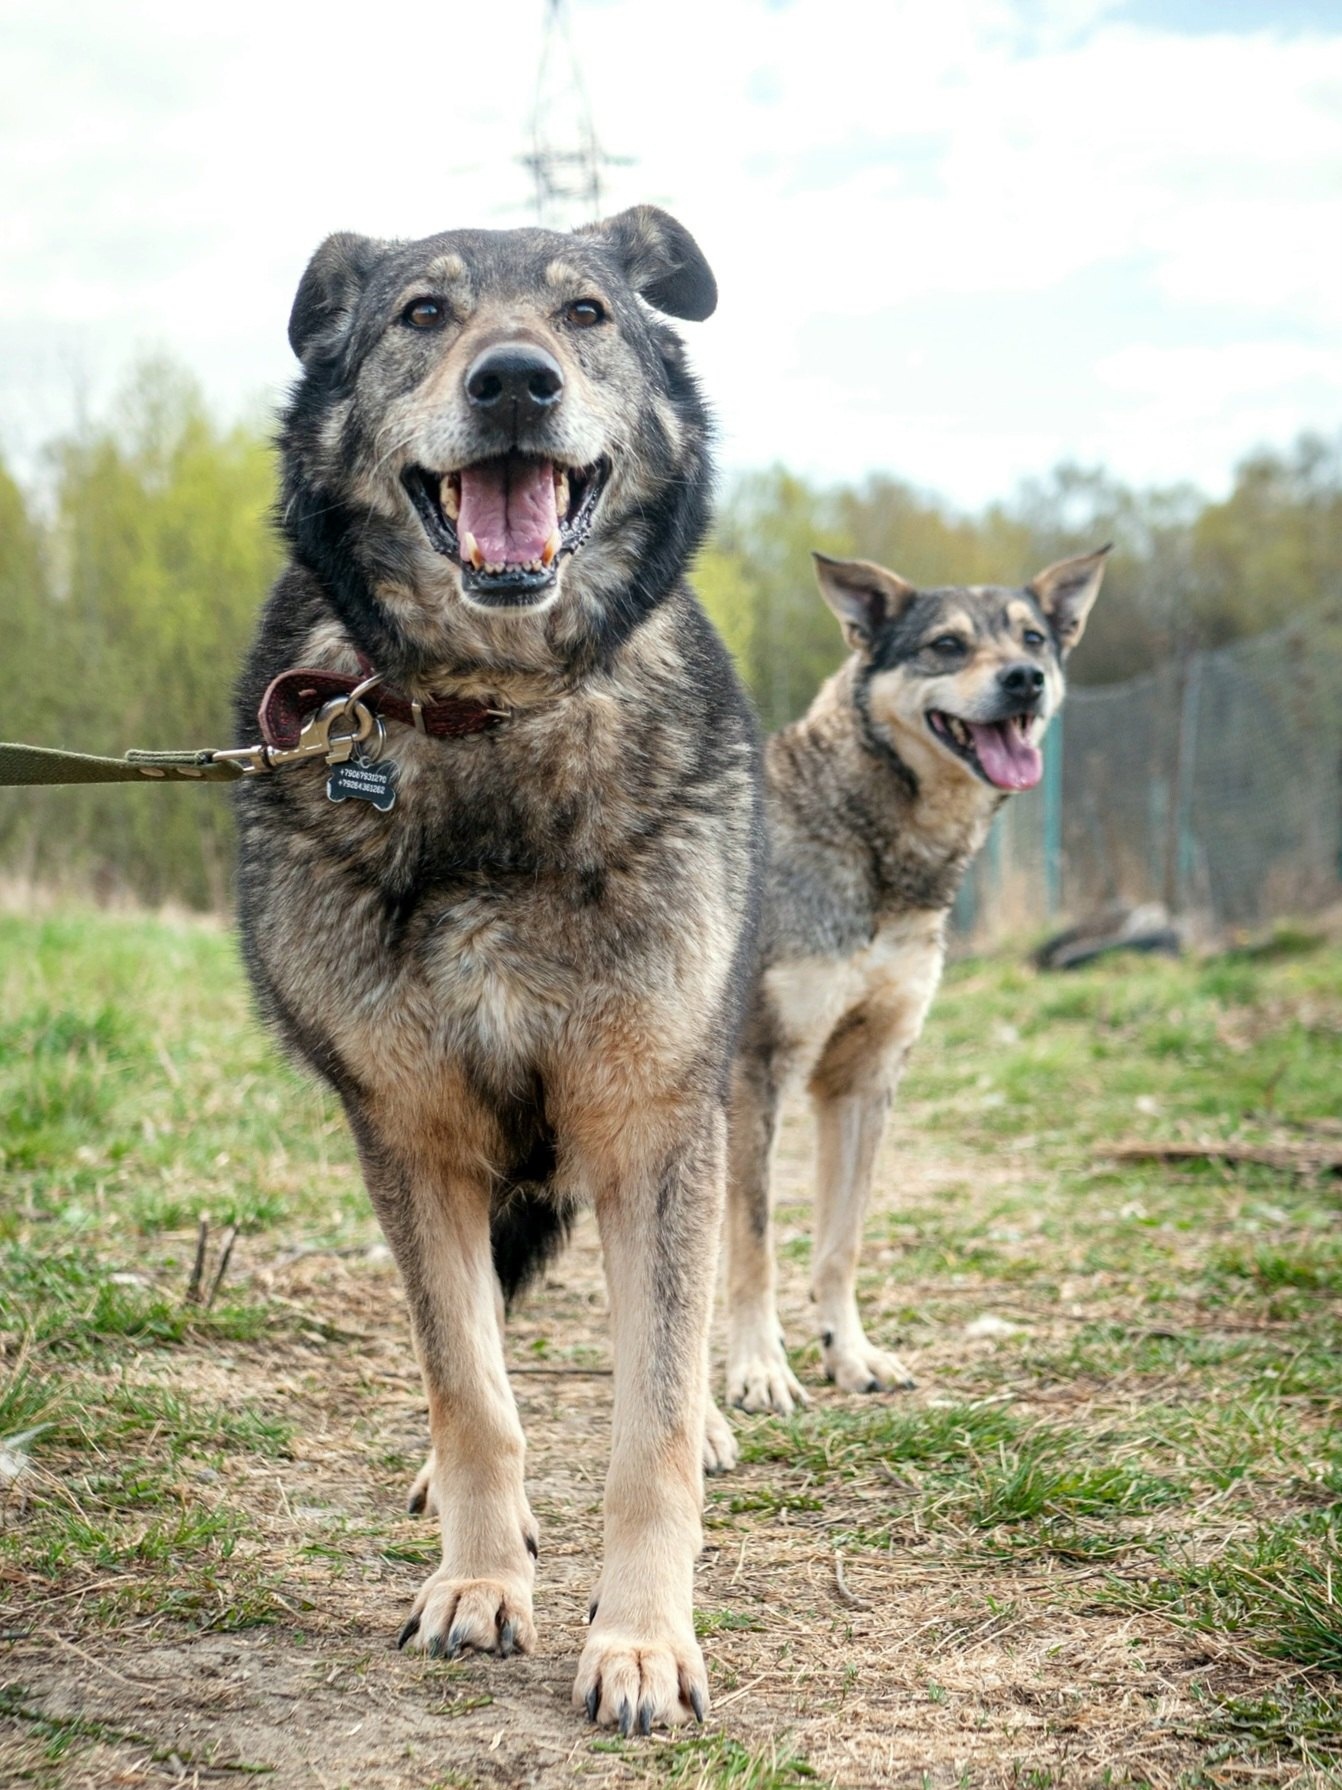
<point x="293" y="695"/>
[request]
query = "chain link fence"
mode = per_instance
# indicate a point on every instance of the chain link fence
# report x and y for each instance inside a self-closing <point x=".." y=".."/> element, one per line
<point x="1213" y="785"/>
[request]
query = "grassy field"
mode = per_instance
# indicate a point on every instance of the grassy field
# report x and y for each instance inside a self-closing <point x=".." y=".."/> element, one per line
<point x="1098" y="1545"/>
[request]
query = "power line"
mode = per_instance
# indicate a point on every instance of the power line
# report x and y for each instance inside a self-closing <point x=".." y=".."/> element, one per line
<point x="566" y="161"/>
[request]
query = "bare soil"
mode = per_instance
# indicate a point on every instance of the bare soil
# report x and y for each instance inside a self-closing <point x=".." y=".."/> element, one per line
<point x="939" y="1666"/>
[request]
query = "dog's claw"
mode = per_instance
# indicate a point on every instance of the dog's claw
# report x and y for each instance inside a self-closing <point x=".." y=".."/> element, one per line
<point x="436" y="1648"/>
<point x="626" y="1719"/>
<point x="697" y="1702"/>
<point x="593" y="1699"/>
<point x="591" y="1611"/>
<point x="533" y="1546"/>
<point x="644" y="1724"/>
<point x="409" y="1632"/>
<point x="507" y="1635"/>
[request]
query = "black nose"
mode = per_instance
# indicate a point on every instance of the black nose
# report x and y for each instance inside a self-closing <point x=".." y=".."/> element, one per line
<point x="1025" y="681"/>
<point x="515" y="375"/>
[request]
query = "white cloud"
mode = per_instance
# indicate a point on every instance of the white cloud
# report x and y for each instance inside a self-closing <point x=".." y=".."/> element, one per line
<point x="837" y="159"/>
<point x="1209" y="377"/>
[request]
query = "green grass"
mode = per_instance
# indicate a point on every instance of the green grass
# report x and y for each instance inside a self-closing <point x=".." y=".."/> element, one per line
<point x="717" y="1762"/>
<point x="1280" y="1591"/>
<point x="977" y="1465"/>
<point x="1219" y="1042"/>
<point x="136" y="1098"/>
<point x="1296" y="1727"/>
<point x="1165" y="1418"/>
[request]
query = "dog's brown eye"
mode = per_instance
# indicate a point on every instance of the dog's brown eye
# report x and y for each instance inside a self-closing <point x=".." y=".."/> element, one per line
<point x="584" y="312"/>
<point x="1033" y="637"/>
<point x="424" y="313"/>
<point x="947" y="643"/>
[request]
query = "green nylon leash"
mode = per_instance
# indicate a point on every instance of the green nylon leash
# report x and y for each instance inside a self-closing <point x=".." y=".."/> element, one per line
<point x="320" y="736"/>
<point x="21" y="765"/>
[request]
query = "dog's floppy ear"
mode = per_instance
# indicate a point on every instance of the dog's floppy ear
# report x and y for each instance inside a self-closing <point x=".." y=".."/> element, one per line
<point x="661" y="261"/>
<point x="862" y="594"/>
<point x="326" y="293"/>
<point x="1066" y="592"/>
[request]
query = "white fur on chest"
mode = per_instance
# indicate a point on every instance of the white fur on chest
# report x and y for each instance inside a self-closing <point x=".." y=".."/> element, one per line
<point x="811" y="996"/>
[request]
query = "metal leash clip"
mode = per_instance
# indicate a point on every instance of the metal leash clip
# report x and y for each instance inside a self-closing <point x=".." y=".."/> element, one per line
<point x="319" y="738"/>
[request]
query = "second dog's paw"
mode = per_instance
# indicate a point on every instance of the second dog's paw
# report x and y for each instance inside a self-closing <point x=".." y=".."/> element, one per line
<point x="864" y="1368"/>
<point x="719" y="1442"/>
<point x="485" y="1615"/>
<point x="637" y="1685"/>
<point x="423" y="1500"/>
<point x="763" y="1381"/>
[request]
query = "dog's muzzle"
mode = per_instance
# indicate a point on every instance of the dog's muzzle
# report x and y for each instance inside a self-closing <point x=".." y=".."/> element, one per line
<point x="507" y="520"/>
<point x="1003" y="753"/>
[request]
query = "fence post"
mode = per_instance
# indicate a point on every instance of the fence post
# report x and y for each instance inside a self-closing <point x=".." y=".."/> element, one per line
<point x="1179" y="829"/>
<point x="1053" y="819"/>
<point x="995" y="857"/>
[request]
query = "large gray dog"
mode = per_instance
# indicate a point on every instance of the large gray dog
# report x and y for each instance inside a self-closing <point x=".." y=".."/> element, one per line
<point x="517" y="942"/>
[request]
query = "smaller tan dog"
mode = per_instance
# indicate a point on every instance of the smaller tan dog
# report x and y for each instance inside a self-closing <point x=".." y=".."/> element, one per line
<point x="876" y="801"/>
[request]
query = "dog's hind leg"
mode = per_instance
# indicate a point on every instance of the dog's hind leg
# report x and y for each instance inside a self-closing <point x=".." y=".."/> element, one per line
<point x="720" y="1452"/>
<point x="849" y="1128"/>
<point x="659" y="1223"/>
<point x="438" y="1228"/>
<point x="758" y="1375"/>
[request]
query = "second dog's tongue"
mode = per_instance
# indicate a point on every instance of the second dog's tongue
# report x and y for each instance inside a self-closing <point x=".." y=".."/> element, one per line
<point x="509" y="506"/>
<point x="1008" y="760"/>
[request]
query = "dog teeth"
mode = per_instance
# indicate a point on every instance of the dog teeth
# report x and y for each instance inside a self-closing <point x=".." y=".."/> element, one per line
<point x="471" y="548"/>
<point x="549" y="550"/>
<point x="449" y="496"/>
<point x="561" y="493"/>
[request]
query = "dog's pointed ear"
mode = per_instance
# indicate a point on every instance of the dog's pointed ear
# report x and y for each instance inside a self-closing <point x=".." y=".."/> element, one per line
<point x="326" y="293"/>
<point x="661" y="261"/>
<point x="1066" y="592"/>
<point x="862" y="594"/>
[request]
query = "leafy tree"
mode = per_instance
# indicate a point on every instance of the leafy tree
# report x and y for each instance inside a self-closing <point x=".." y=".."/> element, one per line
<point x="130" y="584"/>
<point x="161" y="552"/>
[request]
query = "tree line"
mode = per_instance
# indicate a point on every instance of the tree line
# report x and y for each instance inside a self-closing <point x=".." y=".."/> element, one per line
<point x="131" y="573"/>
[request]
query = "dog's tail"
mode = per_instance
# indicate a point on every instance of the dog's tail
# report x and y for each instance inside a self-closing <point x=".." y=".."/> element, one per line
<point x="526" y="1233"/>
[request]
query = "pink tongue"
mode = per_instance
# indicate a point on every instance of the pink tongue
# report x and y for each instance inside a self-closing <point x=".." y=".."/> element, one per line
<point x="1008" y="760"/>
<point x="509" y="506"/>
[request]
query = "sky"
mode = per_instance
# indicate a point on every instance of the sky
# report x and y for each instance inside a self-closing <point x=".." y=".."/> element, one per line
<point x="956" y="240"/>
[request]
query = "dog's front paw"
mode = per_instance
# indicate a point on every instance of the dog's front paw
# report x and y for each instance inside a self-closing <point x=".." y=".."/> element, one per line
<point x="637" y="1683"/>
<point x="861" y="1368"/>
<point x="485" y="1615"/>
<point x="762" y="1381"/>
<point x="719" y="1442"/>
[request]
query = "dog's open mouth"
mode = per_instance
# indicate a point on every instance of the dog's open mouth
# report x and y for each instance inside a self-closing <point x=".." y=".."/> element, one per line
<point x="1002" y="752"/>
<point x="507" y="521"/>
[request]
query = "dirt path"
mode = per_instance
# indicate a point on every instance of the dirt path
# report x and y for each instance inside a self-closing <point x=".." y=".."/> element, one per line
<point x="954" y="1669"/>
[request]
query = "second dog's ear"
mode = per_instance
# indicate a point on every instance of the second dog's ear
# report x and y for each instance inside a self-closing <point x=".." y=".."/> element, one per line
<point x="1066" y="592"/>
<point x="326" y="293"/>
<point x="862" y="594"/>
<point x="661" y="261"/>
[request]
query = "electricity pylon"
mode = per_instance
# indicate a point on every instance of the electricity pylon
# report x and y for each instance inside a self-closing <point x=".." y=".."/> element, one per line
<point x="566" y="160"/>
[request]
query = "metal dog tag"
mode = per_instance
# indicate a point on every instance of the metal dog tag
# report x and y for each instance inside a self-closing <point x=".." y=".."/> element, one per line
<point x="363" y="779"/>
